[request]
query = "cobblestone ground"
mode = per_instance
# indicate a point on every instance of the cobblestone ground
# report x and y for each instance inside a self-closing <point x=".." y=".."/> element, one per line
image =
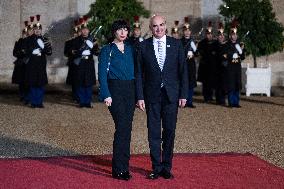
<point x="61" y="128"/>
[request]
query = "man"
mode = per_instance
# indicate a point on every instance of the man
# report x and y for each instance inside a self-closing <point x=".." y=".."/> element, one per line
<point x="235" y="54"/>
<point x="174" y="32"/>
<point x="207" y="64"/>
<point x="37" y="47"/>
<point x="19" y="52"/>
<point x="190" y="51"/>
<point x="161" y="86"/>
<point x="72" y="68"/>
<point x="83" y="48"/>
<point x="136" y="37"/>
<point x="221" y="67"/>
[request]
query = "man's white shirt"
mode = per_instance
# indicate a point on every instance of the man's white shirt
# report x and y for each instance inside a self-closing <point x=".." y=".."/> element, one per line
<point x="155" y="43"/>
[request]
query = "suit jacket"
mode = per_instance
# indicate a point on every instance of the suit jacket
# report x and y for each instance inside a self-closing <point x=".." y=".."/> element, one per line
<point x="149" y="76"/>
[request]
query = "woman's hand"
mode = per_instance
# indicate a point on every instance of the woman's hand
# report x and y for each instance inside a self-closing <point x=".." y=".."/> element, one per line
<point x="141" y="105"/>
<point x="108" y="101"/>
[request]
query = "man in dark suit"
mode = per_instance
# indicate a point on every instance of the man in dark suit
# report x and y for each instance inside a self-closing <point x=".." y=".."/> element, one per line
<point x="161" y="86"/>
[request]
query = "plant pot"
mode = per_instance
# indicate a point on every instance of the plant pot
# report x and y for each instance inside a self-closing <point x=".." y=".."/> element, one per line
<point x="258" y="80"/>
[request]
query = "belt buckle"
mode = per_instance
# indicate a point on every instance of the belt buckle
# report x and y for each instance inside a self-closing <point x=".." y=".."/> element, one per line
<point x="85" y="57"/>
<point x="235" y="61"/>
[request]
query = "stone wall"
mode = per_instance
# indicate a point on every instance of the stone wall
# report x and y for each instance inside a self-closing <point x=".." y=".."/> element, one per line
<point x="60" y="14"/>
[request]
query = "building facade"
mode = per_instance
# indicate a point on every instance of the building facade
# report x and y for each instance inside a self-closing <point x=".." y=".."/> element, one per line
<point x="60" y="15"/>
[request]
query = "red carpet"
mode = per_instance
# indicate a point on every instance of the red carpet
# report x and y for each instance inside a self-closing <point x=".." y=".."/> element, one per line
<point x="190" y="171"/>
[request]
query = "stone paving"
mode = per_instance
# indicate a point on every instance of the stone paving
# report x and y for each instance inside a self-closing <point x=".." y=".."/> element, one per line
<point x="61" y="128"/>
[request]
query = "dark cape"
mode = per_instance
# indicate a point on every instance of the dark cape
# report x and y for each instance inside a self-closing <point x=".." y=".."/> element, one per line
<point x="36" y="75"/>
<point x="207" y="63"/>
<point x="85" y="74"/>
<point x="18" y="76"/>
<point x="190" y="62"/>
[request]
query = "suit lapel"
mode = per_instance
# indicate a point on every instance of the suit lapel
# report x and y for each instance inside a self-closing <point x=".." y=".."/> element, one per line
<point x="168" y="49"/>
<point x="152" y="53"/>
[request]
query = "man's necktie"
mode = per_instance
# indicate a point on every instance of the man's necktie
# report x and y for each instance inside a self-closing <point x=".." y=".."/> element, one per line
<point x="160" y="55"/>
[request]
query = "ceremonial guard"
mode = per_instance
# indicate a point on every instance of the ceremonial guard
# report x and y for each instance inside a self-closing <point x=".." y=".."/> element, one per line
<point x="235" y="54"/>
<point x="19" y="52"/>
<point x="221" y="67"/>
<point x="84" y="47"/>
<point x="174" y="31"/>
<point x="190" y="52"/>
<point x="37" y="47"/>
<point x="207" y="64"/>
<point x="72" y="68"/>
<point x="136" y="37"/>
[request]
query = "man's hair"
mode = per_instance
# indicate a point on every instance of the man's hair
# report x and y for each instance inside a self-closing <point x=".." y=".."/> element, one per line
<point x="154" y="16"/>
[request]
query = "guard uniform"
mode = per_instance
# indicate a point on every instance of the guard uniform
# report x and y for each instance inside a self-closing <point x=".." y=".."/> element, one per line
<point x="37" y="48"/>
<point x="207" y="65"/>
<point x="83" y="49"/>
<point x="18" y="75"/>
<point x="190" y="53"/>
<point x="235" y="54"/>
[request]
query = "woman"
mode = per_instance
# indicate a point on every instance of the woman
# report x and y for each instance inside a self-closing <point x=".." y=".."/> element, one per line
<point x="117" y="88"/>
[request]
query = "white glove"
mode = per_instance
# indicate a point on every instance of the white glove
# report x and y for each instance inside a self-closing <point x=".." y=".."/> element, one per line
<point x="86" y="53"/>
<point x="235" y="55"/>
<point x="193" y="46"/>
<point x="90" y="44"/>
<point x="140" y="39"/>
<point x="239" y="49"/>
<point x="36" y="52"/>
<point x="40" y="43"/>
<point x="189" y="54"/>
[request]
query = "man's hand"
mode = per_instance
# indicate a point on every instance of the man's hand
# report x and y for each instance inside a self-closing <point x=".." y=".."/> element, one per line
<point x="141" y="105"/>
<point x="108" y="101"/>
<point x="182" y="103"/>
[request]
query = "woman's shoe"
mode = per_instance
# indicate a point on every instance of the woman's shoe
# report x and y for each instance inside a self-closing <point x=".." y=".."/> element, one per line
<point x="122" y="175"/>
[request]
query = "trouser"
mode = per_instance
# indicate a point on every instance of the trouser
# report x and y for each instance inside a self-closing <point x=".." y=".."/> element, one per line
<point x="36" y="95"/>
<point x="122" y="111"/>
<point x="234" y="98"/>
<point x="220" y="95"/>
<point x="207" y="91"/>
<point x="74" y="93"/>
<point x="161" y="143"/>
<point x="85" y="94"/>
<point x="22" y="91"/>
<point x="190" y="96"/>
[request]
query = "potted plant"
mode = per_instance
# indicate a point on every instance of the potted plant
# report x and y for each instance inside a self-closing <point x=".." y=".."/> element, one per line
<point x="261" y="33"/>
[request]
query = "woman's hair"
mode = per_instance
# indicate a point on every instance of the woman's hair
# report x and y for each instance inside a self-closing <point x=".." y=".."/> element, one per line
<point x="119" y="24"/>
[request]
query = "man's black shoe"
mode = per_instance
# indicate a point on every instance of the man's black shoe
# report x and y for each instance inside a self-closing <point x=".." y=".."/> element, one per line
<point x="40" y="106"/>
<point x="167" y="174"/>
<point x="122" y="175"/>
<point x="88" y="106"/>
<point x="153" y="175"/>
